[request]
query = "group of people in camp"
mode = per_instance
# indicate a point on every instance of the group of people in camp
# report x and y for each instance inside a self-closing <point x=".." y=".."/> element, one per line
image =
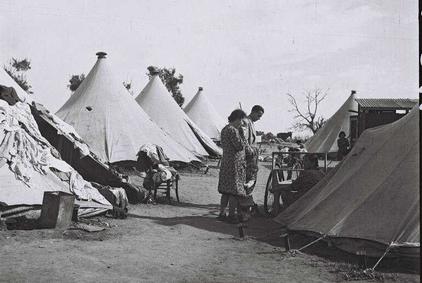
<point x="239" y="165"/>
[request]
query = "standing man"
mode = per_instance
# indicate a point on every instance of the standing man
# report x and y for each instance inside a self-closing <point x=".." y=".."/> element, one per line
<point x="252" y="152"/>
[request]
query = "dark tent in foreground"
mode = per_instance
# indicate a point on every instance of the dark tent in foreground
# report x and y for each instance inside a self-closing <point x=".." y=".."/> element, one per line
<point x="370" y="202"/>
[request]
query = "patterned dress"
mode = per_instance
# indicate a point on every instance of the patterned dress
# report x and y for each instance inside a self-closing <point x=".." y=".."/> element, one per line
<point x="232" y="175"/>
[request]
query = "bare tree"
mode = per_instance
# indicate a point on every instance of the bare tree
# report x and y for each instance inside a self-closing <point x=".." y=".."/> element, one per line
<point x="308" y="118"/>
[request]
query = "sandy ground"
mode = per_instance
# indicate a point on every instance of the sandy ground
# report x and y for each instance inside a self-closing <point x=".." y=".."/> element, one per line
<point x="168" y="243"/>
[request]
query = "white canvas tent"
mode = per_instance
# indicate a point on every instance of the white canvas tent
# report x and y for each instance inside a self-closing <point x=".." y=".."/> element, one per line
<point x="325" y="139"/>
<point x="371" y="200"/>
<point x="28" y="166"/>
<point x="203" y="113"/>
<point x="158" y="103"/>
<point x="110" y="121"/>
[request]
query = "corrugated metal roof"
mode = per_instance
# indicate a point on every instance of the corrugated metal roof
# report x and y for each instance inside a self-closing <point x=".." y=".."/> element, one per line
<point x="391" y="103"/>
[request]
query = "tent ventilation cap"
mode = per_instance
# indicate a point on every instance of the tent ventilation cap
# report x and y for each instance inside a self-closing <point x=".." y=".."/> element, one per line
<point x="101" y="55"/>
<point x="200" y="88"/>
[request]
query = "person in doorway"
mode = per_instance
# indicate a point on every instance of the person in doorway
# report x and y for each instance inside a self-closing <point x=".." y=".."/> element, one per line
<point x="252" y="155"/>
<point x="232" y="175"/>
<point x="306" y="180"/>
<point x="343" y="146"/>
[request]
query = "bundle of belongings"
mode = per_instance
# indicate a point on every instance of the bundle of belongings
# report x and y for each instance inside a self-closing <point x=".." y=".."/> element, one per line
<point x="153" y="161"/>
<point x="117" y="197"/>
<point x="29" y="165"/>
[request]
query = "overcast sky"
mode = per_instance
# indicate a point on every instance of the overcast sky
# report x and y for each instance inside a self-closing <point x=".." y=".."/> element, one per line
<point x="252" y="52"/>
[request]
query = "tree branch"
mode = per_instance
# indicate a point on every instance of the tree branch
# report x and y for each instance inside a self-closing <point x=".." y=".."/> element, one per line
<point x="293" y="102"/>
<point x="308" y="119"/>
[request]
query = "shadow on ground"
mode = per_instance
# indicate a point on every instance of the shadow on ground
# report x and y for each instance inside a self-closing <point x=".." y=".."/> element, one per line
<point x="257" y="228"/>
<point x="214" y="207"/>
<point x="264" y="229"/>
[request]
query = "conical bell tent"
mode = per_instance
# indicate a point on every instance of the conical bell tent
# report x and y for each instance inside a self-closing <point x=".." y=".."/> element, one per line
<point x="371" y="200"/>
<point x="110" y="121"/>
<point x="325" y="139"/>
<point x="203" y="113"/>
<point x="164" y="111"/>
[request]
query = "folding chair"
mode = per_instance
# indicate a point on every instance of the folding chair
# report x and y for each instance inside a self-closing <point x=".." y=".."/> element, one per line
<point x="166" y="186"/>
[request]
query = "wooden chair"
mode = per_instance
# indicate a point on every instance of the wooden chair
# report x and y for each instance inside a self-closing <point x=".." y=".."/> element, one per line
<point x="167" y="186"/>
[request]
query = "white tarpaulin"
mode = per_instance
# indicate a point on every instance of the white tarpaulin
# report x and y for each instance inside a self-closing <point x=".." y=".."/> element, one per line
<point x="62" y="127"/>
<point x="28" y="167"/>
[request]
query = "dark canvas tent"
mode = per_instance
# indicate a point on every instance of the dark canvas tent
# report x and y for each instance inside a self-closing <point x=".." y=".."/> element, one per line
<point x="370" y="202"/>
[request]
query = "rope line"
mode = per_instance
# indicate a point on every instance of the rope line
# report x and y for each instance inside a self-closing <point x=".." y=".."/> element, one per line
<point x="381" y="258"/>
<point x="294" y="251"/>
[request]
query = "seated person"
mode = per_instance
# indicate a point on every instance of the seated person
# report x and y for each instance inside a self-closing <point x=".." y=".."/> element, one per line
<point x="153" y="161"/>
<point x="306" y="180"/>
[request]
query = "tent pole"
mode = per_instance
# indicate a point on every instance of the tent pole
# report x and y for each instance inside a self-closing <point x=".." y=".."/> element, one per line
<point x="325" y="162"/>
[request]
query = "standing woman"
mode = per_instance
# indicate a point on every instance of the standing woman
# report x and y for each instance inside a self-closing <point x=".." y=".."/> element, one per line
<point x="232" y="176"/>
<point x="343" y="146"/>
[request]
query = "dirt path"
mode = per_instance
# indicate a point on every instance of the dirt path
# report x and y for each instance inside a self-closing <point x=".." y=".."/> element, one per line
<point x="165" y="243"/>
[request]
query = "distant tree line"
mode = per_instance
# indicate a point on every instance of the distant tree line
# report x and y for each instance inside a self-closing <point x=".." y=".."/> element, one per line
<point x="306" y="115"/>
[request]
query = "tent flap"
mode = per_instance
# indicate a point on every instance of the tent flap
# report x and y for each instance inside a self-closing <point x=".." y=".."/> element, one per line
<point x="373" y="194"/>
